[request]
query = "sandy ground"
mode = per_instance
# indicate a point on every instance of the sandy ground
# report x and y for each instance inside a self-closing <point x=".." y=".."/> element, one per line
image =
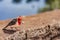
<point x="32" y="22"/>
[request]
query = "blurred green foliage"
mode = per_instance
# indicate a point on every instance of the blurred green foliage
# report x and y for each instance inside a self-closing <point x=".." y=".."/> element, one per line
<point x="44" y="9"/>
<point x="52" y="4"/>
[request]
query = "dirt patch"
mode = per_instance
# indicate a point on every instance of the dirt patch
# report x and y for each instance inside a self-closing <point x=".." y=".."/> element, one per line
<point x="43" y="26"/>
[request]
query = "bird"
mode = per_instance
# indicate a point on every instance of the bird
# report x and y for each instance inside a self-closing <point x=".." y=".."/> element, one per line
<point x="13" y="22"/>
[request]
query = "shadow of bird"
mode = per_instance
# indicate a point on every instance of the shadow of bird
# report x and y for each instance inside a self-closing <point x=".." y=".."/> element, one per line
<point x="13" y="22"/>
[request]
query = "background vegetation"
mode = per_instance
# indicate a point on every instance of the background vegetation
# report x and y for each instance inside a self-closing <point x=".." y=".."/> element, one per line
<point x="50" y="5"/>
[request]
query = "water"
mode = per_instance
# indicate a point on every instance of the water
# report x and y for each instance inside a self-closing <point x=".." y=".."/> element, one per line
<point x="8" y="9"/>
